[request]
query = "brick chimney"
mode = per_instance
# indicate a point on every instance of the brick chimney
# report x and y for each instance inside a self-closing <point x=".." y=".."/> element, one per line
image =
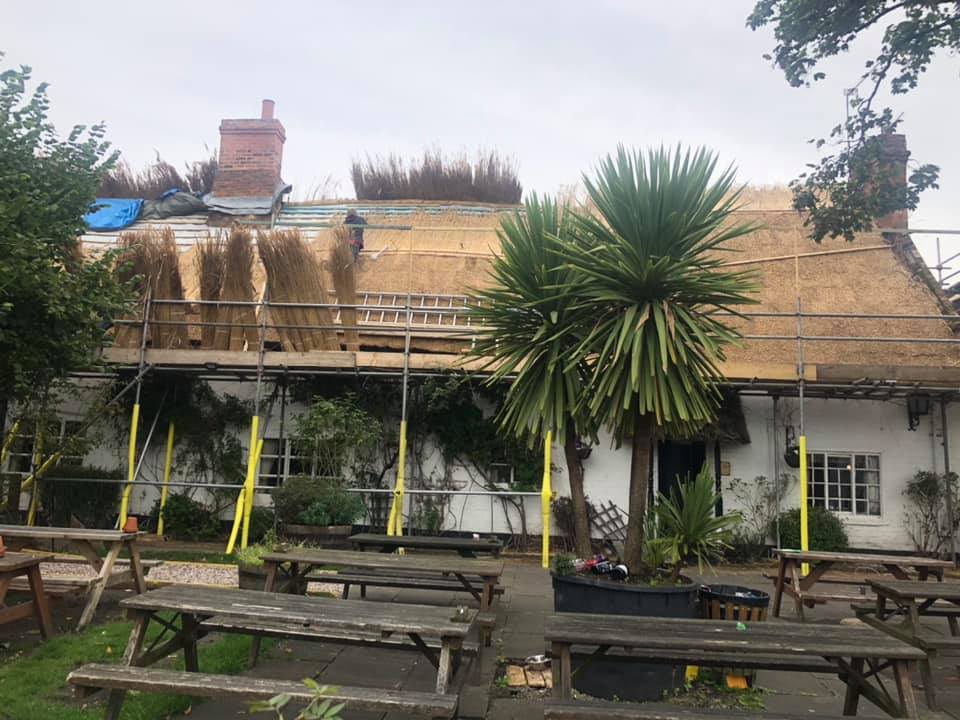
<point x="893" y="164"/>
<point x="251" y="153"/>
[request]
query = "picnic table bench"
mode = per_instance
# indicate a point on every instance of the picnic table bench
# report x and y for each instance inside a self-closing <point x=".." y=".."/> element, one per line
<point x="466" y="547"/>
<point x="84" y="542"/>
<point x="856" y="654"/>
<point x="196" y="611"/>
<point x="789" y="579"/>
<point x="479" y="578"/>
<point x="12" y="566"/>
<point x="909" y="601"/>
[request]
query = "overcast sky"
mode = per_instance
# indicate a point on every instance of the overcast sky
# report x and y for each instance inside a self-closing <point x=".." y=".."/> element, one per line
<point x="553" y="84"/>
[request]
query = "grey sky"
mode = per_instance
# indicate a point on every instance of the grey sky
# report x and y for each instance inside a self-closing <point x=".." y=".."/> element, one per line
<point x="553" y="84"/>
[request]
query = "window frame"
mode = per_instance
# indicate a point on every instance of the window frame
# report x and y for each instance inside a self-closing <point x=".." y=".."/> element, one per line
<point x="832" y="490"/>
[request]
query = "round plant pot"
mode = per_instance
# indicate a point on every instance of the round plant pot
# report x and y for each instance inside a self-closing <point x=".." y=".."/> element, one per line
<point x="609" y="677"/>
<point x="329" y="536"/>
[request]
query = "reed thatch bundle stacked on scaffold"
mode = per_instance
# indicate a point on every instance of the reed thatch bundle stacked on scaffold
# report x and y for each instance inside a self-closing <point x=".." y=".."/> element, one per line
<point x="150" y="259"/>
<point x="294" y="275"/>
<point x="210" y="262"/>
<point x="237" y="324"/>
<point x="345" y="285"/>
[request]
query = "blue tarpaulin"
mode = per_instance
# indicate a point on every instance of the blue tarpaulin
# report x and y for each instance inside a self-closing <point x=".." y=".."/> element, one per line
<point x="113" y="213"/>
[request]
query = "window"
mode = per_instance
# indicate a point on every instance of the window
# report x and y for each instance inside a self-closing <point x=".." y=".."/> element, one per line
<point x="20" y="457"/>
<point x="289" y="458"/>
<point x="844" y="482"/>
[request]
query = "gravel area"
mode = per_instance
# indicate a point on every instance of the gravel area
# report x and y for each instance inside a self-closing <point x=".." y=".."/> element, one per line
<point x="186" y="573"/>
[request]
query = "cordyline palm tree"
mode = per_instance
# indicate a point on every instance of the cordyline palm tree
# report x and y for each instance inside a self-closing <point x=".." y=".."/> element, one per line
<point x="648" y="281"/>
<point x="527" y="332"/>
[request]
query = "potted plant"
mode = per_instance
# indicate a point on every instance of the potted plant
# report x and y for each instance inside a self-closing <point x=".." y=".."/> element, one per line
<point x="251" y="573"/>
<point x="320" y="509"/>
<point x="680" y="529"/>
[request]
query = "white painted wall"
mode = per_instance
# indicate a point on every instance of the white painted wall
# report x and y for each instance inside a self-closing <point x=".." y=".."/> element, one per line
<point x="831" y="425"/>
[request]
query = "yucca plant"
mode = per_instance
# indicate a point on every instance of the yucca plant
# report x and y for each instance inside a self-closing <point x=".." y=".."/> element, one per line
<point x="643" y="285"/>
<point x="689" y="524"/>
<point x="527" y="332"/>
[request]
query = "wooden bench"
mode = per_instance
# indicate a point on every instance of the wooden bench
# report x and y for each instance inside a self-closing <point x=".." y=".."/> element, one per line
<point x="94" y="677"/>
<point x="713" y="659"/>
<point x="599" y="710"/>
<point x="388" y="581"/>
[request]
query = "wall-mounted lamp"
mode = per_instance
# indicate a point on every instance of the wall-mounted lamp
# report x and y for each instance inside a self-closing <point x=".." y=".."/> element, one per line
<point x="917" y="406"/>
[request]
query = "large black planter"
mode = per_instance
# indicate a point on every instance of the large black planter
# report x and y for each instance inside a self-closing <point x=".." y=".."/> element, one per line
<point x="610" y="677"/>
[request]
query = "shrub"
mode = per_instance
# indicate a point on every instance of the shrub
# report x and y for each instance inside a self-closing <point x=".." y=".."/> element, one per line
<point x="926" y="515"/>
<point x="826" y="530"/>
<point x="335" y="506"/>
<point x="261" y="523"/>
<point x="93" y="504"/>
<point x="186" y="519"/>
<point x="294" y="496"/>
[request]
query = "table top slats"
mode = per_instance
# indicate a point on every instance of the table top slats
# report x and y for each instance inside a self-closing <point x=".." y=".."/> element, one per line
<point x="427" y="542"/>
<point x="917" y="589"/>
<point x="668" y="634"/>
<point x="864" y="558"/>
<point x="385" y="561"/>
<point x="13" y="561"/>
<point x="64" y="533"/>
<point x="303" y="611"/>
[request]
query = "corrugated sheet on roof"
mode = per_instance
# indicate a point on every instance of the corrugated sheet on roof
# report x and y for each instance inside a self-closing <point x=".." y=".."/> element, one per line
<point x="187" y="229"/>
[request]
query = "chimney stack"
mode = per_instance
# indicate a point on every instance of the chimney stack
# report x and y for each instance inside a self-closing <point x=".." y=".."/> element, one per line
<point x="251" y="153"/>
<point x="893" y="164"/>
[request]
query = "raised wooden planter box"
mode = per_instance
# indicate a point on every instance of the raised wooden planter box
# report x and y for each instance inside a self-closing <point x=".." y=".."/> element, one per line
<point x="330" y="536"/>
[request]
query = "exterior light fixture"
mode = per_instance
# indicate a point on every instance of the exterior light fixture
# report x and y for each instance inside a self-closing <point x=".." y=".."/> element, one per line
<point x="917" y="406"/>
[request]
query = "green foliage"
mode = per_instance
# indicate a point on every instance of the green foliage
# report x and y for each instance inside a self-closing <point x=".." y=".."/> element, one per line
<point x="563" y="564"/>
<point x="757" y="504"/>
<point x="843" y="193"/>
<point x="186" y="519"/>
<point x="335" y="506"/>
<point x="54" y="304"/>
<point x="261" y="523"/>
<point x="32" y="684"/>
<point x="94" y="504"/>
<point x="926" y="515"/>
<point x="320" y="706"/>
<point x="688" y="521"/>
<point x="294" y="496"/>
<point x="826" y="530"/>
<point x="341" y="435"/>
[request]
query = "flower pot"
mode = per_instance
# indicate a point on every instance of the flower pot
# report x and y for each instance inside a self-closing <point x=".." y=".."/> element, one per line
<point x="329" y="536"/>
<point x="609" y="677"/>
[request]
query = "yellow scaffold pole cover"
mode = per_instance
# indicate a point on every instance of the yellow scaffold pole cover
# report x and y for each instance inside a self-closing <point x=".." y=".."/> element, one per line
<point x="35" y="491"/>
<point x="546" y="495"/>
<point x="804" y="526"/>
<point x="395" y="521"/>
<point x="131" y="464"/>
<point x="8" y="440"/>
<point x="167" y="469"/>
<point x="251" y="478"/>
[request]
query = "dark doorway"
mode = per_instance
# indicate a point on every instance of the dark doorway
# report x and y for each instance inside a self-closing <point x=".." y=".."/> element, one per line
<point x="679" y="458"/>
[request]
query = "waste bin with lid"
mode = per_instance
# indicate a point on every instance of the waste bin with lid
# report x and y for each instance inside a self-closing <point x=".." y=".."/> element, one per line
<point x="735" y="602"/>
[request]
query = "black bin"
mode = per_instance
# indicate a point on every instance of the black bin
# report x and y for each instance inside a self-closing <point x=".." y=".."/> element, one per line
<point x="734" y="602"/>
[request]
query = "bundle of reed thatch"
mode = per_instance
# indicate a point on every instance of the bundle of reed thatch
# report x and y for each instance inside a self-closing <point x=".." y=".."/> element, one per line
<point x="149" y="258"/>
<point x="237" y="324"/>
<point x="210" y="262"/>
<point x="345" y="284"/>
<point x="294" y="275"/>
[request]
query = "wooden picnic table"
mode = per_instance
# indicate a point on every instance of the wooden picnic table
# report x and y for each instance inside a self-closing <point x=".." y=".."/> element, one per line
<point x="84" y="542"/>
<point x="789" y="579"/>
<point x="856" y="654"/>
<point x="908" y="601"/>
<point x="13" y="565"/>
<point x="466" y="547"/>
<point x="199" y="610"/>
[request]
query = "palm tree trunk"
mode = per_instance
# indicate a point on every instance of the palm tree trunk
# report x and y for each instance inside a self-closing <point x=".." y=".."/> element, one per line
<point x="581" y="520"/>
<point x="639" y="488"/>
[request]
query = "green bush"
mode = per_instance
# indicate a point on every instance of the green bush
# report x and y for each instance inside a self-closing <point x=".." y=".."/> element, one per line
<point x="93" y="504"/>
<point x="186" y="519"/>
<point x="826" y="530"/>
<point x="294" y="496"/>
<point x="261" y="523"/>
<point x="335" y="506"/>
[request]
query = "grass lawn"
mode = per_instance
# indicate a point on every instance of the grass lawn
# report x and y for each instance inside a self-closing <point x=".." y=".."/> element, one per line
<point x="32" y="685"/>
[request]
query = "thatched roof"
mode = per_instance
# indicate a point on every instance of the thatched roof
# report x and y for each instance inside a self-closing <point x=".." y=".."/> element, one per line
<point x="448" y="247"/>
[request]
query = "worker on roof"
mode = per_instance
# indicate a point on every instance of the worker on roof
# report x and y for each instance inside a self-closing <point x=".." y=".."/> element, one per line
<point x="356" y="235"/>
